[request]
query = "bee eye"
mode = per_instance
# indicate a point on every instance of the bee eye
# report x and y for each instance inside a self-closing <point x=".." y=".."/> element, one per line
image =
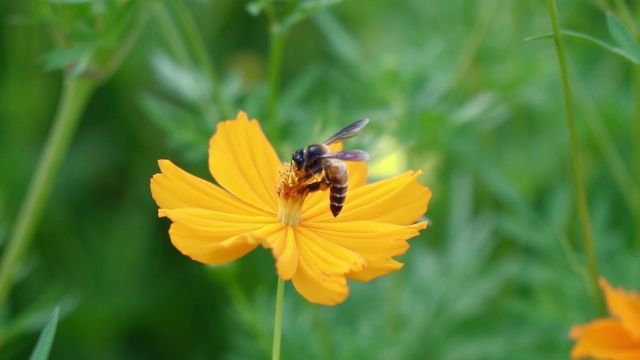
<point x="298" y="158"/>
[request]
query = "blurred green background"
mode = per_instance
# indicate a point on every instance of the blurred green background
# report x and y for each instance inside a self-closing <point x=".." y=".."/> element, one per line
<point x="451" y="88"/>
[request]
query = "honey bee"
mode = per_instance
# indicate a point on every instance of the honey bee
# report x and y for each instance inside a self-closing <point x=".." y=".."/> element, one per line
<point x="313" y="159"/>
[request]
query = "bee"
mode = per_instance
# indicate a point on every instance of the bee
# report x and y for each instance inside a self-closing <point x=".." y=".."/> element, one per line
<point x="317" y="158"/>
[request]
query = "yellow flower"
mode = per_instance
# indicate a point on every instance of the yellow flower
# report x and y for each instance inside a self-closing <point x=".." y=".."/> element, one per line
<point x="261" y="202"/>
<point x="613" y="338"/>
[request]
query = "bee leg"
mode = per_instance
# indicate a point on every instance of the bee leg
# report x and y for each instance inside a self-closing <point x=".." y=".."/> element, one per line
<point x="323" y="185"/>
<point x="312" y="171"/>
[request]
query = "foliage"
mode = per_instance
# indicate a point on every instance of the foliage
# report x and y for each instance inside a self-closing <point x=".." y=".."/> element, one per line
<point x="451" y="87"/>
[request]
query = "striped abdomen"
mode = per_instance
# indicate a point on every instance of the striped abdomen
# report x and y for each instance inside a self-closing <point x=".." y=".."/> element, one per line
<point x="339" y="178"/>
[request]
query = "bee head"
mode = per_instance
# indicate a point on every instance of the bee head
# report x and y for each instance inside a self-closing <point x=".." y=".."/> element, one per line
<point x="298" y="159"/>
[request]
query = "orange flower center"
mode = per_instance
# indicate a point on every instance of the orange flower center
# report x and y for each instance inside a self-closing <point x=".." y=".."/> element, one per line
<point x="292" y="191"/>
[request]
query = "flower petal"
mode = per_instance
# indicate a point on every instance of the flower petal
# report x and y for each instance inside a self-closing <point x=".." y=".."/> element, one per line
<point x="624" y="306"/>
<point x="326" y="256"/>
<point x="175" y="188"/>
<point x="375" y="242"/>
<point x="321" y="267"/>
<point x="400" y="200"/>
<point x="204" y="235"/>
<point x="242" y="160"/>
<point x="604" y="339"/>
<point x="283" y="248"/>
<point x="318" y="287"/>
<point x="357" y="174"/>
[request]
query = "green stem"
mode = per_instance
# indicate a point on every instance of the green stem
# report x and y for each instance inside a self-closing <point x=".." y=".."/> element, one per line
<point x="636" y="147"/>
<point x="75" y="94"/>
<point x="583" y="209"/>
<point x="275" y="63"/>
<point x="277" y="329"/>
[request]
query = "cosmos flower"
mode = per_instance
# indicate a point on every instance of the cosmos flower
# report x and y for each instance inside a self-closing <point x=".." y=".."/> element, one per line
<point x="260" y="201"/>
<point x="616" y="337"/>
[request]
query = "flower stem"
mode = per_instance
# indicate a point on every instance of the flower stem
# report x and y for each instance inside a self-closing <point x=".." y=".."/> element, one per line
<point x="75" y="94"/>
<point x="583" y="210"/>
<point x="277" y="329"/>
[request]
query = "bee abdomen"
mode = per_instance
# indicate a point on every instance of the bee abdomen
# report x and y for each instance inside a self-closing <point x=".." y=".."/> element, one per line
<point x="338" y="194"/>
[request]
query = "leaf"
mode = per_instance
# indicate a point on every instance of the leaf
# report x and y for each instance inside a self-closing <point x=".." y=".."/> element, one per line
<point x="188" y="85"/>
<point x="68" y="1"/>
<point x="185" y="129"/>
<point x="590" y="40"/>
<point x="43" y="346"/>
<point x="254" y="8"/>
<point x="306" y="9"/>
<point x="622" y="36"/>
<point x="78" y="56"/>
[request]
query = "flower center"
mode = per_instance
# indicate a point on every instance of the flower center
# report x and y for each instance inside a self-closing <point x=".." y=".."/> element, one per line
<point x="292" y="191"/>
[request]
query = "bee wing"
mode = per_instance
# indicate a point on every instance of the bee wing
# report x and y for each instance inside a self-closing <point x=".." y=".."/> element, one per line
<point x="348" y="132"/>
<point x="351" y="155"/>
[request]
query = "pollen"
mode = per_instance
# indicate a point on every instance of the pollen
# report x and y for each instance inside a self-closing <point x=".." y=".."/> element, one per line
<point x="292" y="191"/>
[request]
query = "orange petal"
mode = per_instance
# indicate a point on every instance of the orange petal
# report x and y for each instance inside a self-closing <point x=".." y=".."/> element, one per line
<point x="400" y="200"/>
<point x="214" y="237"/>
<point x="175" y="188"/>
<point x="242" y="160"/>
<point x="624" y="306"/>
<point x="375" y="242"/>
<point x="604" y="339"/>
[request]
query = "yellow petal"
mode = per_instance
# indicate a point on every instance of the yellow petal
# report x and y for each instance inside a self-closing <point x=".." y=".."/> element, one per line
<point x="319" y="287"/>
<point x="357" y="174"/>
<point x="376" y="266"/>
<point x="400" y="200"/>
<point x="326" y="256"/>
<point x="200" y="248"/>
<point x="322" y="265"/>
<point x="604" y="339"/>
<point x="175" y="188"/>
<point x="242" y="160"/>
<point x="283" y="248"/>
<point x="205" y="235"/>
<point x="624" y="306"/>
<point x="375" y="242"/>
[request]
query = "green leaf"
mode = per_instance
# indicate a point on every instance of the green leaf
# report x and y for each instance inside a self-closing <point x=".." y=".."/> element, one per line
<point x="622" y="36"/>
<point x="254" y="8"/>
<point x="68" y="1"/>
<point x="591" y="40"/>
<point x="185" y="129"/>
<point x="306" y="9"/>
<point x="43" y="346"/>
<point x="78" y="56"/>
